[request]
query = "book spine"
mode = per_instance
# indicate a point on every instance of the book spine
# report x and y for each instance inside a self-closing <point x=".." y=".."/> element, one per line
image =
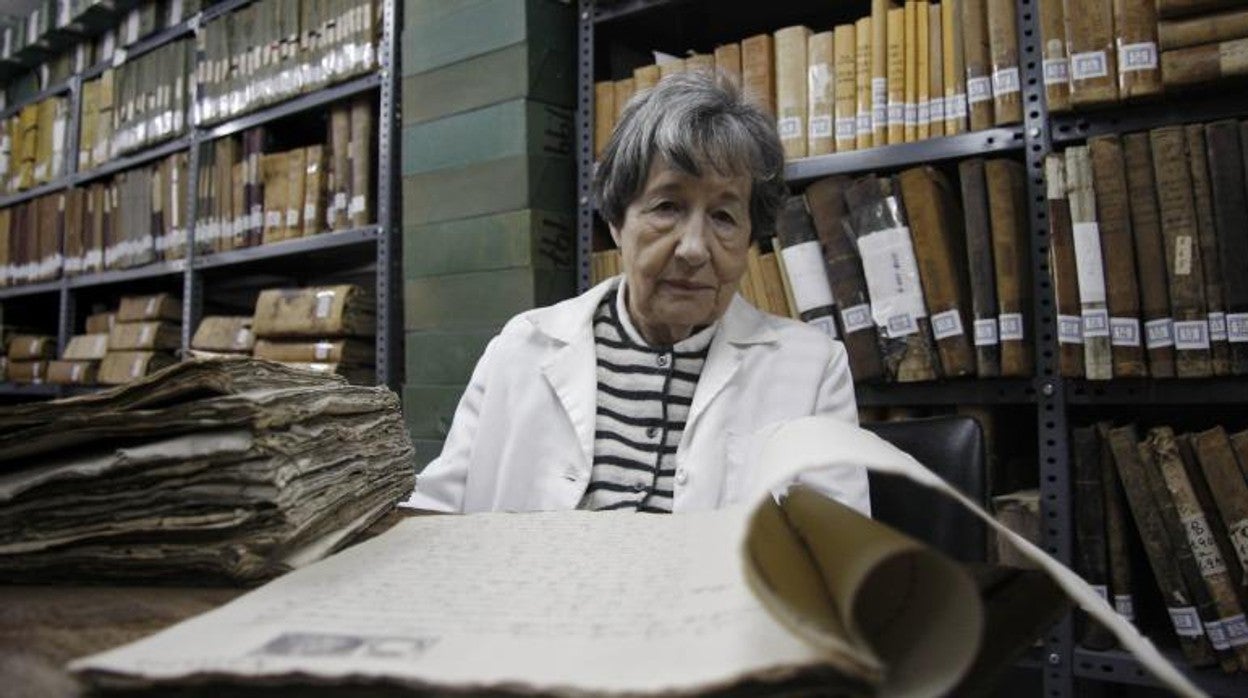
<point x="360" y="205"/>
<point x="647" y="76"/>
<point x="1202" y="197"/>
<point x="1229" y="492"/>
<point x="604" y="115"/>
<point x="1092" y="553"/>
<point x="923" y="52"/>
<point x="1097" y="354"/>
<point x="821" y="82"/>
<point x="1063" y="270"/>
<point x="791" y="94"/>
<point x="895" y="118"/>
<point x="758" y="76"/>
<point x="954" y="68"/>
<point x="1150" y="255"/>
<point x="1121" y="583"/>
<point x="1007" y="208"/>
<point x="910" y="46"/>
<point x="727" y="64"/>
<point x="1056" y="67"/>
<point x="978" y="59"/>
<point x="1135" y="33"/>
<point x="799" y="254"/>
<point x="845" y="107"/>
<point x="1090" y="45"/>
<point x="1114" y="224"/>
<point x="867" y="123"/>
<point x="980" y="268"/>
<point x="1007" y="97"/>
<point x="936" y="73"/>
<point x="1228" y="184"/>
<point x="1204" y="29"/>
<point x="881" y="72"/>
<point x="1181" y="8"/>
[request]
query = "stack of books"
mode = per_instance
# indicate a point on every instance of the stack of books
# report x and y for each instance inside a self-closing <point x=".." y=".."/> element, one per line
<point x="326" y="329"/>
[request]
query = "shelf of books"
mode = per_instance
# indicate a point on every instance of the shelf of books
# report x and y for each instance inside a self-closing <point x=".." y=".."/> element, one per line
<point x="1120" y="667"/>
<point x="171" y="160"/>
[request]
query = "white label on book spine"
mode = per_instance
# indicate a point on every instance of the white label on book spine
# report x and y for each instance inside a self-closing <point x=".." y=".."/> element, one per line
<point x="846" y="128"/>
<point x="136" y="366"/>
<point x="1217" y="635"/>
<point x="947" y="324"/>
<point x="1124" y="332"/>
<point x="789" y="127"/>
<point x="1011" y="325"/>
<point x="1237" y="327"/>
<point x="1124" y="606"/>
<point x="924" y="113"/>
<point x="309" y="213"/>
<point x="911" y="114"/>
<point x="242" y="338"/>
<point x="1056" y="71"/>
<point x="272" y="219"/>
<point x="1135" y="57"/>
<point x="321" y="350"/>
<point x="150" y="308"/>
<point x="1101" y="591"/>
<point x="986" y="332"/>
<point x="145" y="335"/>
<point x="821" y="127"/>
<point x="896" y="113"/>
<point x="892" y="280"/>
<point x="1095" y="323"/>
<point x="856" y="317"/>
<point x="937" y="110"/>
<point x="1186" y="621"/>
<point x="1204" y="547"/>
<point x="1005" y="81"/>
<point x="1069" y="329"/>
<point x="978" y="89"/>
<point x="1236" y="629"/>
<point x="879" y="102"/>
<point x="955" y="107"/>
<point x="1191" y="334"/>
<point x="807" y="275"/>
<point x="1089" y="65"/>
<point x="825" y="324"/>
<point x="1089" y="266"/>
<point x="324" y="301"/>
<point x="863" y="123"/>
<point x="1183" y="255"/>
<point x="1159" y="333"/>
<point x="292" y="217"/>
<point x="75" y="372"/>
<point x="1217" y="327"/>
<point x="357" y="205"/>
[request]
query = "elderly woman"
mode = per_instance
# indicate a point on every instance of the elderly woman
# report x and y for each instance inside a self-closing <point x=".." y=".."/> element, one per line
<point x="648" y="391"/>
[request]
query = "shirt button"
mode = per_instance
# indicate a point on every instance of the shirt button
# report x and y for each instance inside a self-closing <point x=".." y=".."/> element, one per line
<point x="662" y="359"/>
<point x="682" y="476"/>
<point x="652" y="432"/>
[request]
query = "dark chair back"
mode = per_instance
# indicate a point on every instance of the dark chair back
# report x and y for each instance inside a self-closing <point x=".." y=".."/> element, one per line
<point x="953" y="448"/>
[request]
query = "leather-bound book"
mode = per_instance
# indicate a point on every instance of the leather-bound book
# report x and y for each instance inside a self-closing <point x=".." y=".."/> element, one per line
<point x="1056" y="64"/>
<point x="880" y="72"/>
<point x="1135" y="28"/>
<point x="758" y="71"/>
<point x="1090" y="45"/>
<point x="1204" y="63"/>
<point x="880" y="228"/>
<point x="1121" y="584"/>
<point x="1202" y="198"/>
<point x="939" y="247"/>
<point x="1209" y="559"/>
<point x="954" y="66"/>
<point x="1091" y="550"/>
<point x="1097" y="355"/>
<point x="1219" y="469"/>
<point x="1189" y="31"/>
<point x="727" y="63"/>
<point x="1135" y="466"/>
<point x="1181" y="8"/>
<point x="826" y="201"/>
<point x="1230" y="213"/>
<point x="1007" y="96"/>
<point x="1063" y="270"/>
<point x="845" y="89"/>
<point x="1239" y="442"/>
<point x="978" y="59"/>
<point x="804" y="265"/>
<point x="820" y="94"/>
<point x="895" y="118"/>
<point x="1204" y="497"/>
<point x="1150" y="256"/>
<point x="935" y="73"/>
<point x="1007" y="208"/>
<point x="604" y="115"/>
<point x="1113" y="219"/>
<point x="1184" y="272"/>
<point x="980" y="269"/>
<point x="791" y="98"/>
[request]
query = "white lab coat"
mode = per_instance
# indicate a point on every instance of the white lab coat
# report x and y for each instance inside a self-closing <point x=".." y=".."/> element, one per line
<point x="523" y="433"/>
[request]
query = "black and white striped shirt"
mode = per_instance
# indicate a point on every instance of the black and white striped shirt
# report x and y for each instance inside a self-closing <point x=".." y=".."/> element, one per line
<point x="644" y="396"/>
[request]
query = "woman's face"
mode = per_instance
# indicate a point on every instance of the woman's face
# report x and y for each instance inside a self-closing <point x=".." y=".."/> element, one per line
<point x="683" y="247"/>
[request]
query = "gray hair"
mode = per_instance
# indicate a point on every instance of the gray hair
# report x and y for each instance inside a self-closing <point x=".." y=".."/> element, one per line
<point x="693" y="121"/>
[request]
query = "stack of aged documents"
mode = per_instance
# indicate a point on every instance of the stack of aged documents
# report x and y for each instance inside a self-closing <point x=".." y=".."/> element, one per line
<point x="231" y="470"/>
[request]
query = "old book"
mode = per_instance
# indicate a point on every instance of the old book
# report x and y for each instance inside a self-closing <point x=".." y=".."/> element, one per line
<point x="274" y="173"/>
<point x="727" y="64"/>
<point x="360" y="205"/>
<point x="1007" y="96"/>
<point x="1121" y="582"/>
<point x="1097" y="354"/>
<point x="1202" y="197"/>
<point x="144" y="335"/>
<point x="804" y="265"/>
<point x="1090" y="44"/>
<point x="623" y="91"/>
<point x="1064" y="270"/>
<point x="1204" y="63"/>
<point x="224" y="334"/>
<point x="773" y="285"/>
<point x="27" y="371"/>
<point x="880" y="71"/>
<point x="791" y="93"/>
<point x="922" y="75"/>
<point x="313" y="191"/>
<point x="159" y="306"/>
<point x="1008" y="212"/>
<point x="1204" y="497"/>
<point x="1113" y="219"/>
<point x="1209" y="560"/>
<point x="700" y="62"/>
<point x="296" y="184"/>
<point x="977" y="56"/>
<point x="86" y="347"/>
<point x="1193" y="31"/>
<point x="1135" y="30"/>
<point x="1056" y="66"/>
<point x="1229" y="492"/>
<point x="121" y="367"/>
<point x="939" y="248"/>
<point x="1091" y="545"/>
<point x="339" y="190"/>
<point x="354" y="374"/>
<point x="604" y="115"/>
<point x="825" y="200"/>
<point x="895" y="117"/>
<point x="845" y="89"/>
<point x="1184" y="267"/>
<point x="646" y="77"/>
<point x="64" y="372"/>
<point x="981" y="271"/>
<point x="352" y="352"/>
<point x="1150" y="255"/>
<point x="820" y="94"/>
<point x="319" y="312"/>
<point x="1136" y="468"/>
<point x="878" y="222"/>
<point x="867" y="123"/>
<point x="25" y="347"/>
<point x="1226" y="176"/>
<point x="935" y="73"/>
<point x="1181" y="8"/>
<point x="910" y="44"/>
<point x="954" y="67"/>
<point x="100" y="323"/>
<point x="758" y="76"/>
<point x="1239" y="441"/>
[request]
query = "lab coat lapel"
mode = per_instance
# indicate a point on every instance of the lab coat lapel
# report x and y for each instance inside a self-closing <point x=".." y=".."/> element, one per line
<point x="741" y="326"/>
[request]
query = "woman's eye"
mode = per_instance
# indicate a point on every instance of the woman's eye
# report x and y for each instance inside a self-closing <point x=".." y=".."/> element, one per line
<point x="724" y="218"/>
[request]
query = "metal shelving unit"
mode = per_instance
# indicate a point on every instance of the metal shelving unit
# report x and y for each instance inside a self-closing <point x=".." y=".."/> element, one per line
<point x="1120" y="667"/>
<point x="383" y="236"/>
<point x="998" y="391"/>
<point x="892" y="157"/>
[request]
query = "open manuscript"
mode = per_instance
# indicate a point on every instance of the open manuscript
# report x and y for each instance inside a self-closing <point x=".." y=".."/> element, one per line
<point x="804" y="595"/>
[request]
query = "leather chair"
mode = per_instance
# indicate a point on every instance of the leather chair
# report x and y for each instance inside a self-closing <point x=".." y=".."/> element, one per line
<point x="953" y="448"/>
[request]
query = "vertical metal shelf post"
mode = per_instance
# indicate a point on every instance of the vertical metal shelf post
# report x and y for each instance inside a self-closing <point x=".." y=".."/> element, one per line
<point x="1055" y="510"/>
<point x="389" y="240"/>
<point x="585" y="141"/>
<point x="192" y="280"/>
<point x="65" y="313"/>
